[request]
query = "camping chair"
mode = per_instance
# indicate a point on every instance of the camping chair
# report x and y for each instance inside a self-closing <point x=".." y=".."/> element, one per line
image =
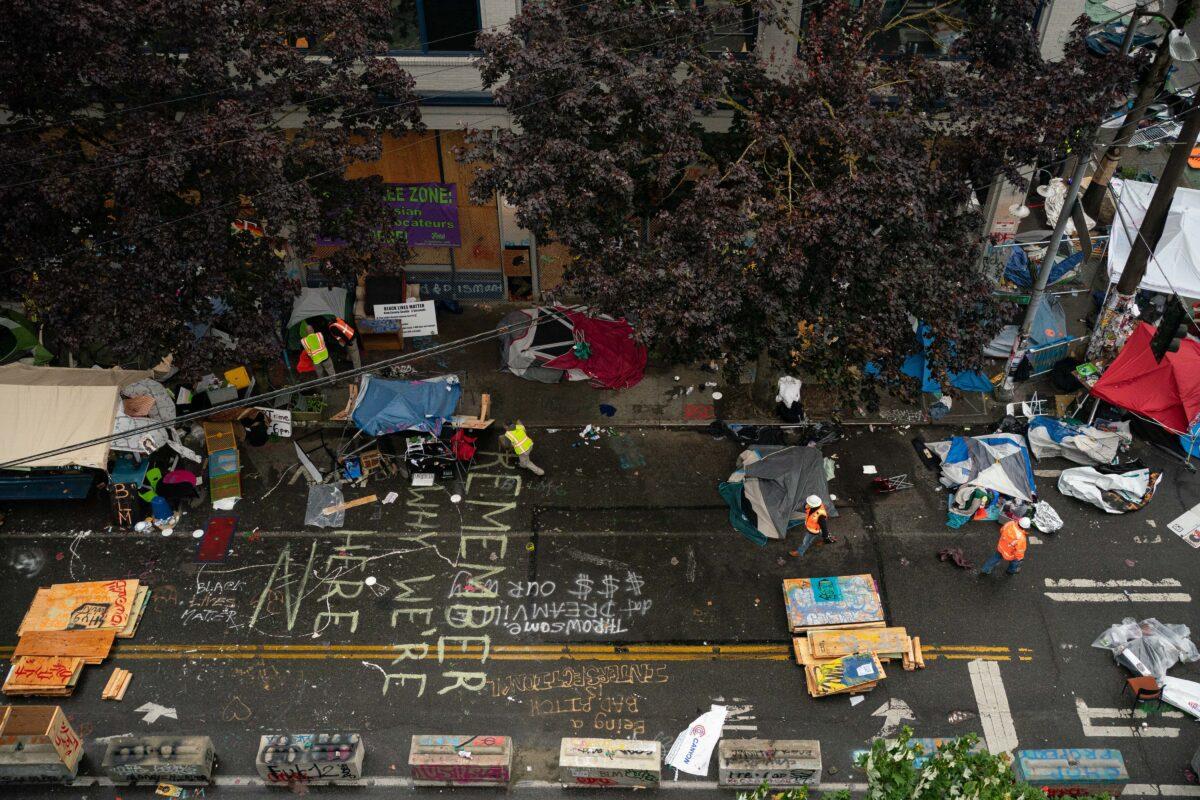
<point x="1144" y="690"/>
<point x="895" y="483"/>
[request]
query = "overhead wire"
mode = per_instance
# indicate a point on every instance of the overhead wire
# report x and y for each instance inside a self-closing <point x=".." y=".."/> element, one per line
<point x="296" y="107"/>
<point x="304" y="386"/>
<point x="384" y="151"/>
<point x="167" y="101"/>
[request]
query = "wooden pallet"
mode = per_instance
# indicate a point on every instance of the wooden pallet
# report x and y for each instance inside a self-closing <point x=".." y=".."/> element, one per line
<point x="913" y="657"/>
<point x="835" y="642"/>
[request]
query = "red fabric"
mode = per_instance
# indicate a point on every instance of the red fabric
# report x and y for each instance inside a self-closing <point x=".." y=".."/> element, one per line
<point x="617" y="361"/>
<point x="1166" y="392"/>
<point x="304" y="363"/>
<point x="463" y="445"/>
<point x="215" y="544"/>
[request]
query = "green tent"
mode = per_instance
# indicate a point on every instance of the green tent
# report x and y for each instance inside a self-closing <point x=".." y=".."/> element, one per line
<point x="18" y="340"/>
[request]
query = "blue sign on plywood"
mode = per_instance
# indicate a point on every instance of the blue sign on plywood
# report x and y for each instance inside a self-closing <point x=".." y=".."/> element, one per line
<point x="459" y="285"/>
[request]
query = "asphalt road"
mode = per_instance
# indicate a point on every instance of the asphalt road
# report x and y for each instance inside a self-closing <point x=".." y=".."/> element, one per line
<point x="610" y="599"/>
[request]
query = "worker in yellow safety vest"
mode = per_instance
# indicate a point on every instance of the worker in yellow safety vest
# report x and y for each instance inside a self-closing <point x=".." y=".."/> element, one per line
<point x="515" y="435"/>
<point x="815" y="524"/>
<point x="314" y="345"/>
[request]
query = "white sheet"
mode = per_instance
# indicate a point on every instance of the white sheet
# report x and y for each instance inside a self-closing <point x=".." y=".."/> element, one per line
<point x="1175" y="266"/>
<point x="41" y="418"/>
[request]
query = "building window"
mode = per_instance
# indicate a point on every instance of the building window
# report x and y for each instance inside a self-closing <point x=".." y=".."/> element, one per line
<point x="434" y="26"/>
<point x="737" y="35"/>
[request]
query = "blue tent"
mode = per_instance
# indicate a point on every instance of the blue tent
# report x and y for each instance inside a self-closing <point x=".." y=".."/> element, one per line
<point x="391" y="406"/>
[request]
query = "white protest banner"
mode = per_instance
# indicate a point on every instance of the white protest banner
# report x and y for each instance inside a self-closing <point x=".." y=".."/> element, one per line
<point x="416" y="319"/>
<point x="693" y="748"/>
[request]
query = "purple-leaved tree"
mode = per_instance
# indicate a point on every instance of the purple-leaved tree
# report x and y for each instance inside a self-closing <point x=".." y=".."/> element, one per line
<point x="133" y="135"/>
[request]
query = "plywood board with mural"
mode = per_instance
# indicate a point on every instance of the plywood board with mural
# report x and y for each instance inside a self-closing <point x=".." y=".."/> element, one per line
<point x="97" y="605"/>
<point x="834" y="601"/>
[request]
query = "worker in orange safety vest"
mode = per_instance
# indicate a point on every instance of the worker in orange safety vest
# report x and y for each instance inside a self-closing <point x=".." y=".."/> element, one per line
<point x="815" y="524"/>
<point x="346" y="336"/>
<point x="1014" y="538"/>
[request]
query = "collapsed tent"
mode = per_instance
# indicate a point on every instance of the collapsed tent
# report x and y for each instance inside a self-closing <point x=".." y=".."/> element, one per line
<point x="999" y="462"/>
<point x="1083" y="444"/>
<point x="1112" y="492"/>
<point x="766" y="493"/>
<point x="1167" y="392"/>
<point x="550" y="344"/>
<point x="1175" y="267"/>
<point x="383" y="406"/>
<point x="47" y="408"/>
<point x="1049" y="326"/>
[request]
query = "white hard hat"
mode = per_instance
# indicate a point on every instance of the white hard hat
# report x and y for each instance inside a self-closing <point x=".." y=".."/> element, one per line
<point x="813" y="501"/>
<point x="1024" y="523"/>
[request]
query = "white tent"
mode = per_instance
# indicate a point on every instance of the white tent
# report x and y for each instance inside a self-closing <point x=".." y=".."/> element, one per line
<point x="1175" y="266"/>
<point x="46" y="408"/>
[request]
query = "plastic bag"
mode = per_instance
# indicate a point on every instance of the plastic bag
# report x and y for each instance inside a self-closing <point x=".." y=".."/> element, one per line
<point x="1045" y="518"/>
<point x="320" y="497"/>
<point x="1148" y="647"/>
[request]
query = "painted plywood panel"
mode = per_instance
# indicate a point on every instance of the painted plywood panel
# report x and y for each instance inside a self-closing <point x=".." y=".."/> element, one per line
<point x="97" y="605"/>
<point x="833" y="600"/>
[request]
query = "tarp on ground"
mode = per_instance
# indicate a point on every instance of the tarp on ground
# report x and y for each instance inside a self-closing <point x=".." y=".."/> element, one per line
<point x="998" y="461"/>
<point x="1115" y="493"/>
<point x="539" y="344"/>
<point x="916" y="366"/>
<point x="384" y="406"/>
<point x="766" y="492"/>
<point x="1167" y="392"/>
<point x="1175" y="267"/>
<point x="1083" y="444"/>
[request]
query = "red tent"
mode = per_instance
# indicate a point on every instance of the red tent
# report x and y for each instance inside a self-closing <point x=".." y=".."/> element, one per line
<point x="1166" y="392"/>
<point x="616" y="360"/>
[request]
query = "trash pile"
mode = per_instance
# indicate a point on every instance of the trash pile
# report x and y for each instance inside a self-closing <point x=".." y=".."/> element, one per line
<point x="593" y="433"/>
<point x="1149" y="648"/>
<point x="840" y="635"/>
<point x="67" y="626"/>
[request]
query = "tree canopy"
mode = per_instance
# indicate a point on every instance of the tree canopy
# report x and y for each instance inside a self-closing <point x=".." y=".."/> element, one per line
<point x="816" y="208"/>
<point x="134" y="135"/>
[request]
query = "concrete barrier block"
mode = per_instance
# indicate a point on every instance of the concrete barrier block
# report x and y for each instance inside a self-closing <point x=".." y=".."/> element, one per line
<point x="311" y="758"/>
<point x="603" y="763"/>
<point x="37" y="745"/>
<point x="781" y="763"/>
<point x="1073" y="772"/>
<point x="454" y="760"/>
<point x="184" y="760"/>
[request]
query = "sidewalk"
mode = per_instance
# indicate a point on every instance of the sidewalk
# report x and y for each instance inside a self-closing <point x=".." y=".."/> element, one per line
<point x="669" y="395"/>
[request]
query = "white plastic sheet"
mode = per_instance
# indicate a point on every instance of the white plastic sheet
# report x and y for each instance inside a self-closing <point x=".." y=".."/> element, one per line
<point x="1150" y="647"/>
<point x="693" y="748"/>
<point x="320" y="497"/>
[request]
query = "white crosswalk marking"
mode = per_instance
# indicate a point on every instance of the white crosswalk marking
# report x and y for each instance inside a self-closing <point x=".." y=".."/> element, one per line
<point x="1124" y="595"/>
<point x="998" y="730"/>
<point x="1087" y="715"/>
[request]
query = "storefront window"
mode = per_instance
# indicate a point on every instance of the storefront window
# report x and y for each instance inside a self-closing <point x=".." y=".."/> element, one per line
<point x="434" y="26"/>
<point x="735" y="36"/>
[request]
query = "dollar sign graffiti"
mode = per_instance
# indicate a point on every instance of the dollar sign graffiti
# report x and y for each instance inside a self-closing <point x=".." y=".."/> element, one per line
<point x="610" y="586"/>
<point x="583" y="587"/>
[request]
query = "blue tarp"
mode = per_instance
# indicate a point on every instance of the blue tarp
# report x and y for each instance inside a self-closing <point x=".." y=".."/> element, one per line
<point x="391" y="406"/>
<point x="1055" y="429"/>
<point x="915" y="366"/>
<point x="1017" y="269"/>
<point x="1191" y="442"/>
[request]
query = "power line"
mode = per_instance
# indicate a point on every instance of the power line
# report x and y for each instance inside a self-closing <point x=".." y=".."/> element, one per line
<point x="316" y="383"/>
<point x="168" y="101"/>
<point x="280" y="187"/>
<point x="297" y="107"/>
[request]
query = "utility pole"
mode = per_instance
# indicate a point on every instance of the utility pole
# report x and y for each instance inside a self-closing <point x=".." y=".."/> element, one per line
<point x="1112" y="326"/>
<point x="1148" y="89"/>
<point x="1043" y="277"/>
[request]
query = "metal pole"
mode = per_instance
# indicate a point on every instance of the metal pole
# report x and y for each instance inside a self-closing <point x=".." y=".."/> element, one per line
<point x="1043" y="276"/>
